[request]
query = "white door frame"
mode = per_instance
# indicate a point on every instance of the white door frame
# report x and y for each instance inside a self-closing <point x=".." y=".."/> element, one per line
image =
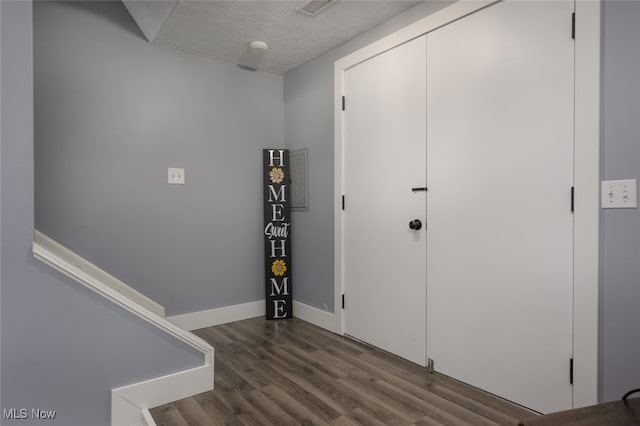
<point x="586" y="177"/>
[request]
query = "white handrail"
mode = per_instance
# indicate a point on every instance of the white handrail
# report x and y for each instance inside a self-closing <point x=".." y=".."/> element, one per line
<point x="47" y="256"/>
<point x="96" y="272"/>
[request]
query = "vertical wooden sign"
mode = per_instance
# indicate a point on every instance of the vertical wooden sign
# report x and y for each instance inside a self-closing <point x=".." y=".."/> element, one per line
<point x="277" y="233"/>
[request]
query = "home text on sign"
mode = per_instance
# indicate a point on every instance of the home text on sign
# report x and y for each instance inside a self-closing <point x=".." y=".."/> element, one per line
<point x="277" y="233"/>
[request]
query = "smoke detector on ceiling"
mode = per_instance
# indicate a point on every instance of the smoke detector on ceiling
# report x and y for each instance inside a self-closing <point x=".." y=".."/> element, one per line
<point x="315" y="7"/>
<point x="258" y="46"/>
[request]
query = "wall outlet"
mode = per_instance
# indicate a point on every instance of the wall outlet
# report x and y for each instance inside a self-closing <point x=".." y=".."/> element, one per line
<point x="176" y="176"/>
<point x="619" y="194"/>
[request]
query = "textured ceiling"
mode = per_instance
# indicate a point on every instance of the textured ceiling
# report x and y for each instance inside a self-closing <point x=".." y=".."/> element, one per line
<point x="223" y="29"/>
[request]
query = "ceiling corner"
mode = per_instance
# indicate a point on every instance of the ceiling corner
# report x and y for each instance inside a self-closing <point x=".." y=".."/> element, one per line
<point x="150" y="15"/>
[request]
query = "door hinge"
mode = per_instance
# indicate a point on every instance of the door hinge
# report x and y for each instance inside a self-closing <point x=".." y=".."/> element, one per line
<point x="573" y="26"/>
<point x="572" y="198"/>
<point x="343" y="301"/>
<point x="430" y="364"/>
<point x="344" y="103"/>
<point x="570" y="371"/>
<point x="343" y="202"/>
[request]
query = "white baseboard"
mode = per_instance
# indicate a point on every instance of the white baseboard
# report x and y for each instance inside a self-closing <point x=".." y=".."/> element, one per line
<point x="130" y="404"/>
<point x="217" y="316"/>
<point x="315" y="316"/>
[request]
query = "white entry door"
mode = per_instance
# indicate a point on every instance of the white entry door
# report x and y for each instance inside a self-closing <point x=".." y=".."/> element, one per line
<point x="500" y="172"/>
<point x="384" y="159"/>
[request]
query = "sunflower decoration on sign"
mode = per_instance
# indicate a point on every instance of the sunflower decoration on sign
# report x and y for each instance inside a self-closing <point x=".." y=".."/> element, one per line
<point x="279" y="267"/>
<point x="277" y="175"/>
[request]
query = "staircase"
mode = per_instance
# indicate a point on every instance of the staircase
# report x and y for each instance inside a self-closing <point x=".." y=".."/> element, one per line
<point x="130" y="404"/>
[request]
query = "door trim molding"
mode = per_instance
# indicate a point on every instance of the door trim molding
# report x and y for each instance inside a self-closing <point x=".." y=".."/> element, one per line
<point x="586" y="242"/>
<point x="586" y="176"/>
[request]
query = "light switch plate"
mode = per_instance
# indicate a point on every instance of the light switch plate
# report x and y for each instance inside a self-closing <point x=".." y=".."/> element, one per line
<point x="176" y="176"/>
<point x="619" y="194"/>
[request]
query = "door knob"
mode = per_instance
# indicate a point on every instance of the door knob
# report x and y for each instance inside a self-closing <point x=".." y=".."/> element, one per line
<point x="415" y="224"/>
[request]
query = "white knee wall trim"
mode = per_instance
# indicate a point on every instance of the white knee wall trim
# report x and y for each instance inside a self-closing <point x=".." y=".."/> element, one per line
<point x="130" y="404"/>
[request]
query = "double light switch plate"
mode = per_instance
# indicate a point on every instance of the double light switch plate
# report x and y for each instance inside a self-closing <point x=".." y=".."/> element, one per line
<point x="176" y="176"/>
<point x="619" y="194"/>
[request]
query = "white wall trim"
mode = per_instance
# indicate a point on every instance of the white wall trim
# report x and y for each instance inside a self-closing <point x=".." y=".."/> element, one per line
<point x="315" y="316"/>
<point x="217" y="316"/>
<point x="127" y="401"/>
<point x="147" y="418"/>
<point x="427" y="24"/>
<point x="43" y="254"/>
<point x="96" y="272"/>
<point x="587" y="204"/>
<point x="586" y="179"/>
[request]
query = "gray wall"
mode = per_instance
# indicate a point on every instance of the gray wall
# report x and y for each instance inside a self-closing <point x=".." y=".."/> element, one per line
<point x="620" y="263"/>
<point x="308" y="123"/>
<point x="63" y="347"/>
<point x="112" y="113"/>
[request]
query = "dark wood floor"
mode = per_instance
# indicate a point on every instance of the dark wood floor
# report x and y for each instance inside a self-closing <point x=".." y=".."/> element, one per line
<point x="290" y="372"/>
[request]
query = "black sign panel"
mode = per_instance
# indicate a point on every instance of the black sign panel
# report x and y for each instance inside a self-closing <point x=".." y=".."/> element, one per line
<point x="277" y="233"/>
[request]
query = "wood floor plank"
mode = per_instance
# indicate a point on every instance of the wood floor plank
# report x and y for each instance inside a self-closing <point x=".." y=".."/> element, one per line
<point x="320" y="337"/>
<point x="219" y="412"/>
<point x="343" y="421"/>
<point x="267" y="375"/>
<point x="348" y="344"/>
<point x="315" y="401"/>
<point x="500" y="411"/>
<point x="436" y="395"/>
<point x="168" y="415"/>
<point x="344" y="396"/>
<point x="269" y="409"/>
<point x="231" y="332"/>
<point x="426" y="421"/>
<point x="361" y="417"/>
<point x="243" y="411"/>
<point x="311" y="359"/>
<point x="274" y="357"/>
<point x="193" y="413"/>
<point x="231" y="379"/>
<point x="248" y="368"/>
<point x="336" y="364"/>
<point x="479" y="407"/>
<point x="212" y="336"/>
<point x="458" y="389"/>
<point x="327" y="392"/>
<point x="291" y="372"/>
<point x="293" y="407"/>
<point x="271" y="330"/>
<point x="385" y="396"/>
